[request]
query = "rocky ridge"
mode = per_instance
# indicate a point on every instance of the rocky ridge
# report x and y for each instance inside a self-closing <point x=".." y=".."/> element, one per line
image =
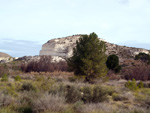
<point x="61" y="48"/>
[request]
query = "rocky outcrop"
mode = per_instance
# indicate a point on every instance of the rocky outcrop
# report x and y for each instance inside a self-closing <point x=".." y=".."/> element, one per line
<point x="63" y="48"/>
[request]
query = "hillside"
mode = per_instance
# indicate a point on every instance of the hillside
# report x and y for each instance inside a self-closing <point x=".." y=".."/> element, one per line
<point x="63" y="47"/>
<point x="4" y="55"/>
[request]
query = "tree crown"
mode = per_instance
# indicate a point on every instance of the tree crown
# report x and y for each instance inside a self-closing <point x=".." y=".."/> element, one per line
<point x="89" y="57"/>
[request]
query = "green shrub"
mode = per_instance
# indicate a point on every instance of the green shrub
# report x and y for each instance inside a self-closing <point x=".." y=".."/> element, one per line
<point x="140" y="84"/>
<point x="131" y="85"/>
<point x="58" y="89"/>
<point x="28" y="87"/>
<point x="94" y="94"/>
<point x="73" y="94"/>
<point x="4" y="77"/>
<point x="109" y="89"/>
<point x="113" y="63"/>
<point x="9" y="91"/>
<point x="117" y="97"/>
<point x="43" y="83"/>
<point x="87" y="94"/>
<point x="99" y="94"/>
<point x="17" y="78"/>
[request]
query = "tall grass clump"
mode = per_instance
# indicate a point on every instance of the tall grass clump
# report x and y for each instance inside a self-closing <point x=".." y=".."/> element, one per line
<point x="48" y="102"/>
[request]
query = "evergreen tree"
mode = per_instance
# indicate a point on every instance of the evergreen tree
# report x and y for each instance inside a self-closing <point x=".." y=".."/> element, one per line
<point x="89" y="57"/>
<point x="113" y="63"/>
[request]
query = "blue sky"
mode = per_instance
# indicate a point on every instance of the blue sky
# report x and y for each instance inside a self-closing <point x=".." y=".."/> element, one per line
<point x="27" y="24"/>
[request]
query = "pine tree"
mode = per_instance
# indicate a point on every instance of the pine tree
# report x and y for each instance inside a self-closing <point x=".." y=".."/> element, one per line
<point x="89" y="57"/>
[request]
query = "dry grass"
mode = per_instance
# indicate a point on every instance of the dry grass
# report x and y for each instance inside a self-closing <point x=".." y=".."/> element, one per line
<point x="52" y="103"/>
<point x="47" y="92"/>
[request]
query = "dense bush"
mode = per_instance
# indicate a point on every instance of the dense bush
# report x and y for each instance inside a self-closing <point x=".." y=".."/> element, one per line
<point x="17" y="78"/>
<point x="132" y="85"/>
<point x="28" y="87"/>
<point x="86" y="94"/>
<point x="99" y="94"/>
<point x="59" y="89"/>
<point x="137" y="73"/>
<point x="73" y="94"/>
<point x="45" y="64"/>
<point x="113" y="63"/>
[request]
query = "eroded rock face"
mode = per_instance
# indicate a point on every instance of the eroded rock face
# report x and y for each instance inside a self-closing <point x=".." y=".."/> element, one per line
<point x="63" y="48"/>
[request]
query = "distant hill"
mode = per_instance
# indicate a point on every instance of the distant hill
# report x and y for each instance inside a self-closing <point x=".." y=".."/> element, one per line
<point x="63" y="47"/>
<point x="4" y="54"/>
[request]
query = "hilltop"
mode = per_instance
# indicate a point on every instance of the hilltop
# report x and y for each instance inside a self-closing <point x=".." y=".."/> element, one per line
<point x="4" y="54"/>
<point x="63" y="48"/>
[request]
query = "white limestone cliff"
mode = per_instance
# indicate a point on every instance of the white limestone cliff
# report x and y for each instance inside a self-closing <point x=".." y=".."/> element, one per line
<point x="62" y="48"/>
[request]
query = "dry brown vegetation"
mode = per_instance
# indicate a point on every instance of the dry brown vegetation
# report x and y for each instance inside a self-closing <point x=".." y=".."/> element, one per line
<point x="42" y="89"/>
<point x="55" y="94"/>
<point x="45" y="64"/>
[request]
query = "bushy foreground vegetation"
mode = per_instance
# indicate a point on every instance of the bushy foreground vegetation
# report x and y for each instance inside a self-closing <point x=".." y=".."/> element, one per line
<point x="54" y="94"/>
